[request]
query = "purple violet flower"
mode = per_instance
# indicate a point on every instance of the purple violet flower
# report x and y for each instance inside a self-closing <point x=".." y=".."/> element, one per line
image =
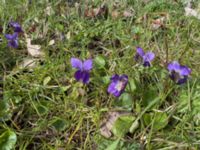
<point x="117" y="85"/>
<point x="84" y="67"/>
<point x="144" y="58"/>
<point x="12" y="39"/>
<point x="178" y="73"/>
<point x="16" y="26"/>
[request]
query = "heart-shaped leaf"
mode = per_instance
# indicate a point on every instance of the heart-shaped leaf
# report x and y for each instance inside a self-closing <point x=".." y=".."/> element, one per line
<point x="7" y="140"/>
<point x="122" y="125"/>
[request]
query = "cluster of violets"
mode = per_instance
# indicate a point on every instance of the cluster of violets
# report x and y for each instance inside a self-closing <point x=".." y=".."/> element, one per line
<point x="13" y="38"/>
<point x="177" y="72"/>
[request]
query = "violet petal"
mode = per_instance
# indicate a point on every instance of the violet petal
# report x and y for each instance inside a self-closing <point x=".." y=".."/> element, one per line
<point x="87" y="65"/>
<point x="76" y="63"/>
<point x="174" y="66"/>
<point x="85" y="77"/>
<point x="78" y="75"/>
<point x="140" y="51"/>
<point x="149" y="56"/>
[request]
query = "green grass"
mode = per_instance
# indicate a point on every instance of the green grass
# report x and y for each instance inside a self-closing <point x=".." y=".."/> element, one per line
<point x="47" y="109"/>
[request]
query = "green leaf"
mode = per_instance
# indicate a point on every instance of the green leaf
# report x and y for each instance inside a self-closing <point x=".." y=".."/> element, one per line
<point x="125" y="101"/>
<point x="190" y="101"/>
<point x="137" y="30"/>
<point x="159" y="119"/>
<point x="107" y="144"/>
<point x="42" y="109"/>
<point x="148" y="96"/>
<point x="99" y="62"/>
<point x="74" y="94"/>
<point x="4" y="109"/>
<point x="132" y="85"/>
<point x="122" y="125"/>
<point x="114" y="145"/>
<point x="59" y="123"/>
<point x="60" y="27"/>
<point x="7" y="140"/>
<point x="65" y="88"/>
<point x="147" y="118"/>
<point x="106" y="79"/>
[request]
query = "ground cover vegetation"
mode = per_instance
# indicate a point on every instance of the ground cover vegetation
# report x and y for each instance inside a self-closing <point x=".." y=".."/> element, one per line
<point x="113" y="74"/>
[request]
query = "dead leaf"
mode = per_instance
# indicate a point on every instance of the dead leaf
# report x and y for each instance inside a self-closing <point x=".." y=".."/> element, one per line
<point x="48" y="11"/>
<point x="108" y="122"/>
<point x="68" y="35"/>
<point x="81" y="91"/>
<point x="105" y="132"/>
<point x="128" y="13"/>
<point x="28" y="63"/>
<point x="191" y="12"/>
<point x="158" y="23"/>
<point x="52" y="42"/>
<point x="96" y="11"/>
<point x="33" y="50"/>
<point x="115" y="14"/>
<point x="89" y="13"/>
<point x="142" y="19"/>
<point x="32" y="28"/>
<point x="101" y="11"/>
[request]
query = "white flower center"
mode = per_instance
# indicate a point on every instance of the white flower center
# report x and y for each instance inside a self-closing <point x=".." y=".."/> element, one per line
<point x="119" y="85"/>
